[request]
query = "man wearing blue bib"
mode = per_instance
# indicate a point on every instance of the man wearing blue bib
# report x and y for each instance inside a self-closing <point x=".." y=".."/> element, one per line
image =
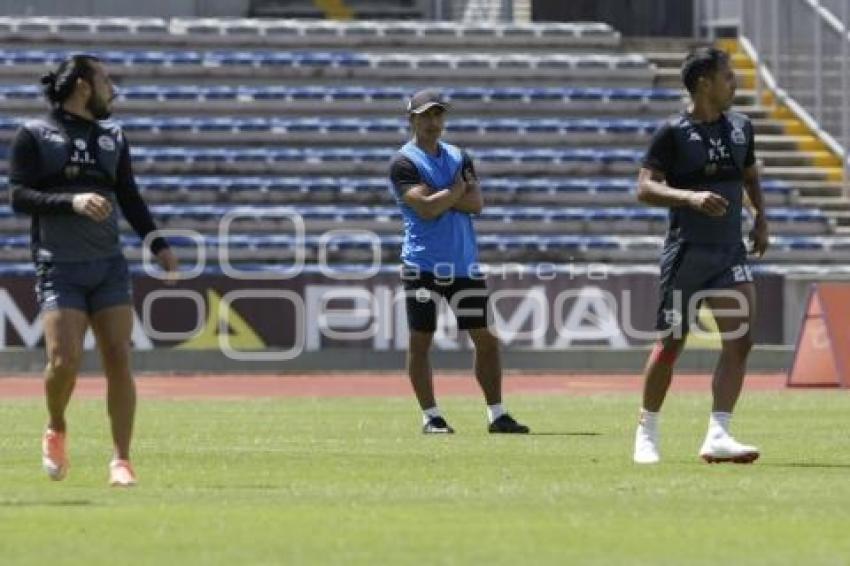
<point x="437" y="189"/>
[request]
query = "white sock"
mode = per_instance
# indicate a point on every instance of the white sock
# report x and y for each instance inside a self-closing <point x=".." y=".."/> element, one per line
<point x="718" y="423"/>
<point x="495" y="411"/>
<point x="648" y="419"/>
<point x="429" y="414"/>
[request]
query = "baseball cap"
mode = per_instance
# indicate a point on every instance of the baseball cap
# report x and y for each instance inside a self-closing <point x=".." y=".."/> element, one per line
<point x="425" y="99"/>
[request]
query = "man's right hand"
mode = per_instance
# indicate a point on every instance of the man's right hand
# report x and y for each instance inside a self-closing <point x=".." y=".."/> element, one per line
<point x="709" y="203"/>
<point x="458" y="188"/>
<point x="93" y="206"/>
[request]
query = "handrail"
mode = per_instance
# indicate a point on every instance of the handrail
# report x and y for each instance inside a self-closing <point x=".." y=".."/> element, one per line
<point x="783" y="97"/>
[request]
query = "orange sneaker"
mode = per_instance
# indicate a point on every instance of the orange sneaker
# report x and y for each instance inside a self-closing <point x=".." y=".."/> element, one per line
<point x="54" y="459"/>
<point x="121" y="474"/>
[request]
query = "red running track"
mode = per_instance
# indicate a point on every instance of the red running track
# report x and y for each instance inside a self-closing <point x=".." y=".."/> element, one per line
<point x="361" y="384"/>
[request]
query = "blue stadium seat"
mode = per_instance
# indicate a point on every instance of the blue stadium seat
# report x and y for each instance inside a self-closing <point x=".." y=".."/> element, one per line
<point x="546" y="95"/>
<point x="435" y="61"/>
<point x="305" y="125"/>
<point x="614" y="186"/>
<point x="801" y="243"/>
<point x="349" y="94"/>
<point x="215" y="124"/>
<point x="220" y="93"/>
<point x="539" y="156"/>
<point x="285" y="185"/>
<point x="20" y="92"/>
<point x="464" y="125"/>
<point x="587" y="94"/>
<point x="180" y="93"/>
<point x="278" y="59"/>
<point x="470" y="94"/>
<point x="579" y="155"/>
<point x="602" y="243"/>
<point x="503" y="126"/>
<point x="308" y="93"/>
<point x="629" y="94"/>
<point x="382" y="155"/>
<point x="508" y="94"/>
<point x="389" y="125"/>
<point x="525" y="186"/>
<point x="575" y="186"/>
<point x="567" y="215"/>
<point x="389" y="94"/>
<point x="543" y="126"/>
<point x="317" y="60"/>
<point x="352" y="125"/>
<point x="496" y="155"/>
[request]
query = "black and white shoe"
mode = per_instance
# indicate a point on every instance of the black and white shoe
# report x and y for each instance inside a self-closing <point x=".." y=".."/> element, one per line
<point x="437" y="425"/>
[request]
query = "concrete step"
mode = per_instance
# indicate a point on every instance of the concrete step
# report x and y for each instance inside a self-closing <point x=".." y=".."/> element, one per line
<point x="818" y="189"/>
<point x="782" y="142"/>
<point x="840" y="217"/>
<point x="795" y="174"/>
<point x="798" y="158"/>
<point x="829" y="204"/>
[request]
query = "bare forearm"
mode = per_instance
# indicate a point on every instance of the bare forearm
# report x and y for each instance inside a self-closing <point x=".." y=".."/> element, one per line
<point x="435" y="204"/>
<point x="659" y="194"/>
<point x="472" y="202"/>
<point x="753" y="189"/>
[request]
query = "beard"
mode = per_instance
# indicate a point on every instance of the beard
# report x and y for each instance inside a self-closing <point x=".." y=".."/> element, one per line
<point x="99" y="108"/>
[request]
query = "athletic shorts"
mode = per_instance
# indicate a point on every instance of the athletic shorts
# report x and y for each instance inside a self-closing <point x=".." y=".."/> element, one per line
<point x="688" y="268"/>
<point x="88" y="286"/>
<point x="467" y="297"/>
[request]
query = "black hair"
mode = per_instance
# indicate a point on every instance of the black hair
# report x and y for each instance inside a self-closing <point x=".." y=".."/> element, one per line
<point x="702" y="62"/>
<point x="58" y="85"/>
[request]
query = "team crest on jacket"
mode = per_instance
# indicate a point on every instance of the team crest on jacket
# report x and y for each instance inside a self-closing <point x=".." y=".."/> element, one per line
<point x="106" y="143"/>
<point x="738" y="136"/>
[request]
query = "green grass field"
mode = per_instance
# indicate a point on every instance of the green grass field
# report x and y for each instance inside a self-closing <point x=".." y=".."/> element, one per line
<point x="351" y="481"/>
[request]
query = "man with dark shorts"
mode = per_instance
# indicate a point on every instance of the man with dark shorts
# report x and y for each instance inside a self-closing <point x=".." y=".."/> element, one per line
<point x="697" y="165"/>
<point x="437" y="189"/>
<point x="71" y="172"/>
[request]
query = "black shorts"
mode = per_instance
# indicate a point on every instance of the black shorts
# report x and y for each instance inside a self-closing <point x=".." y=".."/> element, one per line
<point x="467" y="297"/>
<point x="688" y="268"/>
<point x="88" y="286"/>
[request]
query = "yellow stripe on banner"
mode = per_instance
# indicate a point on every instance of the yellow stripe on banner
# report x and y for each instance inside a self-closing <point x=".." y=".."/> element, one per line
<point x="335" y="9"/>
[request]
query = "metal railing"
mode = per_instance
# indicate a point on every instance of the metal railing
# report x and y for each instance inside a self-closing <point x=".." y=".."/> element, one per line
<point x="801" y="50"/>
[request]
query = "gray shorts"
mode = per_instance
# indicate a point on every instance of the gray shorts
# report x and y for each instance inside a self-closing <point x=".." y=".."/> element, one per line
<point x="88" y="286"/>
<point x="687" y="268"/>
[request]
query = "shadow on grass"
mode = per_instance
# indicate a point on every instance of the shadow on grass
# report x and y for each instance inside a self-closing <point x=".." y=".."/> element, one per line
<point x="556" y="433"/>
<point x="61" y="503"/>
<point x="815" y="465"/>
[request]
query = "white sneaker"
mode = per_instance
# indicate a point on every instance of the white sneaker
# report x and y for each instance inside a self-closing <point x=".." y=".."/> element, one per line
<point x="646" y="445"/>
<point x="719" y="448"/>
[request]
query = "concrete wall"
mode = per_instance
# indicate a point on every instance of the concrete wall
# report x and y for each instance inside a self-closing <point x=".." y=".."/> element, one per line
<point x="114" y="8"/>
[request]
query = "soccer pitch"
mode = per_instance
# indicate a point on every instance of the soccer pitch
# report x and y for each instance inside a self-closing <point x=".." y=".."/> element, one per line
<point x="352" y="481"/>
